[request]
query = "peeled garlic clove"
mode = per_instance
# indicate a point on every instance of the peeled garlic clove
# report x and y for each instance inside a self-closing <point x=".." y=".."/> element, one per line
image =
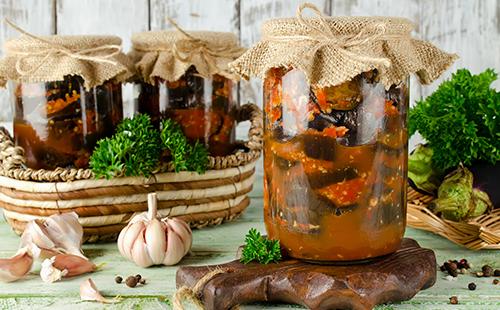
<point x="155" y="241"/>
<point x="175" y="248"/>
<point x="49" y="273"/>
<point x="89" y="292"/>
<point x="16" y="267"/>
<point x="140" y="254"/>
<point x="183" y="231"/>
<point x="74" y="265"/>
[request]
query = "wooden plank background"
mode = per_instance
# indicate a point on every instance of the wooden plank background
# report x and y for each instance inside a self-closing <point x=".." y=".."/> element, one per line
<point x="469" y="28"/>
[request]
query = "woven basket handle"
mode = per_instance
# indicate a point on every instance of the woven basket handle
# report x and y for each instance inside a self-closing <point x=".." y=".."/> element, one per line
<point x="11" y="156"/>
<point x="251" y="112"/>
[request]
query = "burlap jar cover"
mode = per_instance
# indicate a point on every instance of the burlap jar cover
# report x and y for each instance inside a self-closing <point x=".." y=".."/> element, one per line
<point x="332" y="50"/>
<point x="168" y="54"/>
<point x="96" y="59"/>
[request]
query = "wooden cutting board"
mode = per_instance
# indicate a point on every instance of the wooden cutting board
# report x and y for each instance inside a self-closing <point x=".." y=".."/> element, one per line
<point x="396" y="277"/>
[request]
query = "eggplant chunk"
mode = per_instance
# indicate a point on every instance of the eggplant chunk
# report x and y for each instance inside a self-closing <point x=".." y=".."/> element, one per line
<point x="319" y="147"/>
<point x="320" y="179"/>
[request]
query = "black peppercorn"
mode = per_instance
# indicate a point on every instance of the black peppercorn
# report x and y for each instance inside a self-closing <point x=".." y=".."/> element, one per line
<point x="118" y="279"/>
<point x="496" y="273"/>
<point x="142" y="281"/>
<point x="472" y="286"/>
<point x="453" y="300"/>
<point x="138" y="277"/>
<point x="496" y="281"/>
<point x="487" y="271"/>
<point x="131" y="281"/>
<point x="442" y="268"/>
<point x="463" y="264"/>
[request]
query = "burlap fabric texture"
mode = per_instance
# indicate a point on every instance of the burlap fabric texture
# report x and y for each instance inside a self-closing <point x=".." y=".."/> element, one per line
<point x="332" y="50"/>
<point x="168" y="54"/>
<point x="96" y="59"/>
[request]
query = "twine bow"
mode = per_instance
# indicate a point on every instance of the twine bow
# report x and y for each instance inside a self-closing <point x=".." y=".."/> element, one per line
<point x="99" y="54"/>
<point x="324" y="36"/>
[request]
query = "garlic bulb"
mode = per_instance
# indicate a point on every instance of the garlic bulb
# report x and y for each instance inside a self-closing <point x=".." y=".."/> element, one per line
<point x="148" y="241"/>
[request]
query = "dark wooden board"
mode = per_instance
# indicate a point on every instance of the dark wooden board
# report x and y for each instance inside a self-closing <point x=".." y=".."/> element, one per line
<point x="393" y="278"/>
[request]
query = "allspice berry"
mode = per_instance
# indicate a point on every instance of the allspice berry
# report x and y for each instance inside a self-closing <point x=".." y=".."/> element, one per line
<point x="487" y="271"/>
<point x="496" y="281"/>
<point x="472" y="286"/>
<point x="453" y="300"/>
<point x="118" y="279"/>
<point x="131" y="281"/>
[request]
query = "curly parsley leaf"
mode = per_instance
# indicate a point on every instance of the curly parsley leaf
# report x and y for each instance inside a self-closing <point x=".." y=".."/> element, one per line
<point x="460" y="120"/>
<point x="257" y="248"/>
<point x="185" y="156"/>
<point x="134" y="150"/>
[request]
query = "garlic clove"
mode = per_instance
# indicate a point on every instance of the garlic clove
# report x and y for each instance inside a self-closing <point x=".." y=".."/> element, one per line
<point x="35" y="233"/>
<point x="175" y="248"/>
<point x="66" y="232"/>
<point x="89" y="292"/>
<point x="133" y="233"/>
<point x="49" y="273"/>
<point x="16" y="267"/>
<point x="182" y="229"/>
<point x="140" y="254"/>
<point x="156" y="242"/>
<point x="119" y="242"/>
<point x="74" y="265"/>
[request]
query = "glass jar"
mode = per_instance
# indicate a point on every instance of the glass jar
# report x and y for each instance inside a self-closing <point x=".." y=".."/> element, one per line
<point x="335" y="166"/>
<point x="59" y="123"/>
<point x="204" y="108"/>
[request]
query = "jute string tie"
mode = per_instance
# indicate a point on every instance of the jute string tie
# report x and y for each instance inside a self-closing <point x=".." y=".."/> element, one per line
<point x="324" y="36"/>
<point x="192" y="294"/>
<point x="100" y="54"/>
<point x="185" y="50"/>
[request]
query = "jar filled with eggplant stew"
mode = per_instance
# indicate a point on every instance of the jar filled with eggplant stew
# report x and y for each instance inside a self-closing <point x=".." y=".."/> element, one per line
<point x="64" y="102"/>
<point x="336" y="142"/>
<point x="183" y="76"/>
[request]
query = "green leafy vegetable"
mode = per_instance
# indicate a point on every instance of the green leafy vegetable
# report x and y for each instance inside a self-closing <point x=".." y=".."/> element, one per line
<point x="134" y="150"/>
<point x="184" y="155"/>
<point x="260" y="249"/>
<point x="460" y="120"/>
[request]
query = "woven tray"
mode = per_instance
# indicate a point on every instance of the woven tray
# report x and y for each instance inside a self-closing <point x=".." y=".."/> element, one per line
<point x="105" y="206"/>
<point x="482" y="232"/>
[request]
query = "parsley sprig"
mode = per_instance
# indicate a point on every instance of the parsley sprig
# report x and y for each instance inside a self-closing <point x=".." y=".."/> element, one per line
<point x="185" y="156"/>
<point x="136" y="149"/>
<point x="257" y="248"/>
<point x="460" y="120"/>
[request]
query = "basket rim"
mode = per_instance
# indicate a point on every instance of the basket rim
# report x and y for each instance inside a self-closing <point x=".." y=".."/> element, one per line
<point x="476" y="233"/>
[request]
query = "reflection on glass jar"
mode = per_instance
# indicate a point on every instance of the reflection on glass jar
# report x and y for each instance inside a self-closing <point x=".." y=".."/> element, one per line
<point x="59" y="123"/>
<point x="203" y="107"/>
<point x="335" y="166"/>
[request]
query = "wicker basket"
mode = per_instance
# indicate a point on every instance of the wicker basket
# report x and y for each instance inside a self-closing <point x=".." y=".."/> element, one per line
<point x="482" y="232"/>
<point x="105" y="206"/>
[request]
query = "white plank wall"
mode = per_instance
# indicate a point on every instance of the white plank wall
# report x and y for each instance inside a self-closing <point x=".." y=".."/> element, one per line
<point x="470" y="28"/>
<point x="34" y="16"/>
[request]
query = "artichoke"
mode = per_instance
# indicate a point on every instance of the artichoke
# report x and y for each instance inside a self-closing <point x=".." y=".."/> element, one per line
<point x="423" y="177"/>
<point x="457" y="199"/>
